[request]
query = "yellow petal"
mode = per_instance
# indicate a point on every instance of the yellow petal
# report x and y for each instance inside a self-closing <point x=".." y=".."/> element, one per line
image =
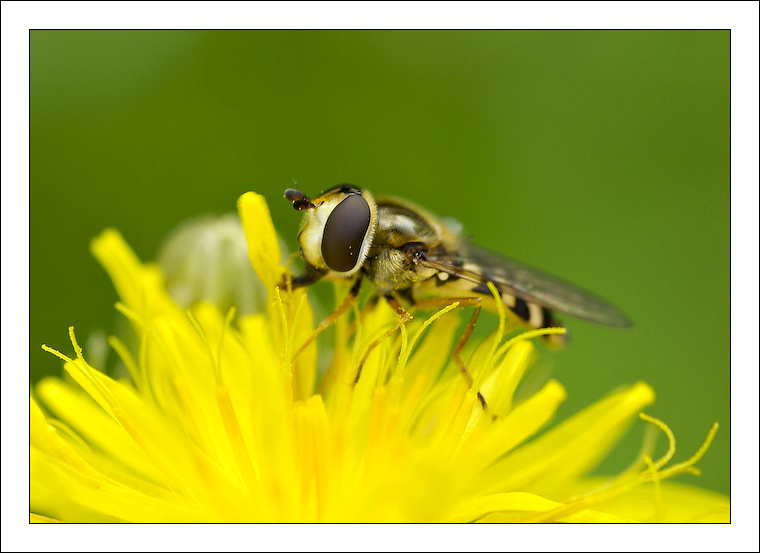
<point x="139" y="286"/>
<point x="522" y="507"/>
<point x="290" y="313"/>
<point x="571" y="448"/>
<point x="489" y="444"/>
<point x="674" y="502"/>
<point x="261" y="236"/>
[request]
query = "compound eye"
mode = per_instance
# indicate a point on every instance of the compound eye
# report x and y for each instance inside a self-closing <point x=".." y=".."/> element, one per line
<point x="344" y="233"/>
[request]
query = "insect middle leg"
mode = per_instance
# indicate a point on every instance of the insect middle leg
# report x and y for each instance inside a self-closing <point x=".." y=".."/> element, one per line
<point x="405" y="317"/>
<point x="456" y="353"/>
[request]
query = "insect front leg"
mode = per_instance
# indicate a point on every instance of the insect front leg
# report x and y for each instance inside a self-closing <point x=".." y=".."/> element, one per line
<point x="330" y="319"/>
<point x="456" y="353"/>
<point x="309" y="277"/>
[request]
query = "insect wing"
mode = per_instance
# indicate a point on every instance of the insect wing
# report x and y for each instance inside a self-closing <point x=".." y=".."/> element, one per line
<point x="480" y="266"/>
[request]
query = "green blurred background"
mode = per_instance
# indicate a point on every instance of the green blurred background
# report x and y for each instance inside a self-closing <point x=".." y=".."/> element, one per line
<point x="600" y="156"/>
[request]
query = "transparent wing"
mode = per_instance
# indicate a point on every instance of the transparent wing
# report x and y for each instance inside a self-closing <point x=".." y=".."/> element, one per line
<point x="509" y="276"/>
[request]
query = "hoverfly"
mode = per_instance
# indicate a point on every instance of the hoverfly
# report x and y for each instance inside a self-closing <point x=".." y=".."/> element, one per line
<point x="410" y="254"/>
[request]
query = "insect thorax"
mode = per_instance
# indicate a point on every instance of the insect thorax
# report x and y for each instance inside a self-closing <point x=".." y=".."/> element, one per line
<point x="401" y="234"/>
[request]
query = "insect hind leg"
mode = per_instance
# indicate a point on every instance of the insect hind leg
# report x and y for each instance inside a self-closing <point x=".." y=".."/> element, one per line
<point x="456" y="353"/>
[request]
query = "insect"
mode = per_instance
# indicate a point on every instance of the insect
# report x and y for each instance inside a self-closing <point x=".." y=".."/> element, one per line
<point x="410" y="254"/>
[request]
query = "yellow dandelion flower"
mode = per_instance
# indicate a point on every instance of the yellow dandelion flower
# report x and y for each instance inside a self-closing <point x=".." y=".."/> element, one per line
<point x="221" y="421"/>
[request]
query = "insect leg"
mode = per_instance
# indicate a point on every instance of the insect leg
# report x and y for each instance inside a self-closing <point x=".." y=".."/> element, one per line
<point x="330" y="319"/>
<point x="404" y="318"/>
<point x="309" y="276"/>
<point x="432" y="303"/>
